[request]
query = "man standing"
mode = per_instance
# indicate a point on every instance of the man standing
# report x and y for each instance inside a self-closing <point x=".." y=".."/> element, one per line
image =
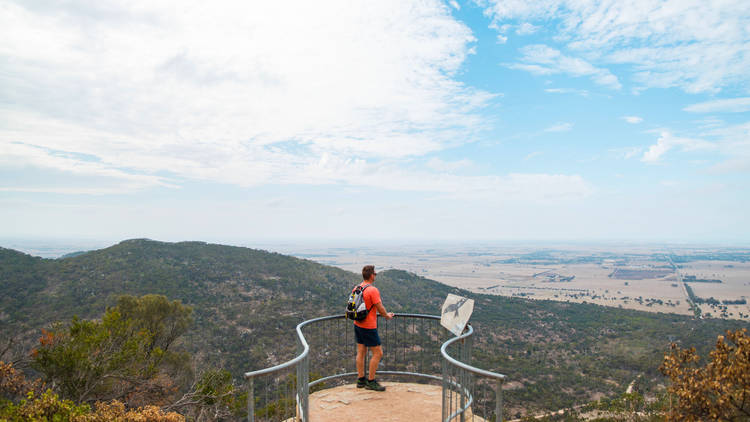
<point x="366" y="331"/>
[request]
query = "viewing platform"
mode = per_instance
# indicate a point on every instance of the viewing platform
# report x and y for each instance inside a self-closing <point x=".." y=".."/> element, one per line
<point x="401" y="401"/>
<point x="425" y="368"/>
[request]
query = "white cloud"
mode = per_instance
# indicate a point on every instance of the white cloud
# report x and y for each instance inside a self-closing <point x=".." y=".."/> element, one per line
<point x="396" y="176"/>
<point x="710" y="123"/>
<point x="448" y="166"/>
<point x="695" y="45"/>
<point x="501" y="39"/>
<point x="729" y="105"/>
<point x="67" y="191"/>
<point x="581" y="92"/>
<point x="532" y="155"/>
<point x="113" y="179"/>
<point x="632" y="152"/>
<point x="632" y="119"/>
<point x="560" y="127"/>
<point x="228" y="93"/>
<point x="729" y="147"/>
<point x="626" y="153"/>
<point x="734" y="143"/>
<point x="544" y="60"/>
<point x="526" y="29"/>
<point x="667" y="141"/>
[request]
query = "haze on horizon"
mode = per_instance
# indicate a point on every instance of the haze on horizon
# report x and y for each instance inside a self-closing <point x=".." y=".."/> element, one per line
<point x="461" y="120"/>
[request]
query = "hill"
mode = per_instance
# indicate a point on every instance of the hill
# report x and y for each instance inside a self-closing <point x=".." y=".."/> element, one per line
<point x="247" y="301"/>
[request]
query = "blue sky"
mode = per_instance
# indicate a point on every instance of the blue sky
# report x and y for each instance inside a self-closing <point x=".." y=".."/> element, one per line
<point x="390" y="120"/>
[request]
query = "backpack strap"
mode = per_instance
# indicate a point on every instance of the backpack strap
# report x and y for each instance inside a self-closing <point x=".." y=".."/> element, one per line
<point x="363" y="295"/>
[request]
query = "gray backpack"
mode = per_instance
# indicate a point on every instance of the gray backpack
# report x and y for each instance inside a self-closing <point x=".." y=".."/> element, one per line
<point x="356" y="308"/>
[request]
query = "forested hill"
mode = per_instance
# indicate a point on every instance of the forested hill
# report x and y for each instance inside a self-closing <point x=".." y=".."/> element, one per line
<point x="245" y="300"/>
<point x="246" y="303"/>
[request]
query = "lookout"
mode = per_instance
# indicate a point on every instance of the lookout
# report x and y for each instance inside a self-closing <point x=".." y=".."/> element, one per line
<point x="426" y="369"/>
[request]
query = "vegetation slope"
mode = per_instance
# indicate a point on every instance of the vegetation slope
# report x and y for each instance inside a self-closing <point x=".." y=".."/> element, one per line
<point x="246" y="303"/>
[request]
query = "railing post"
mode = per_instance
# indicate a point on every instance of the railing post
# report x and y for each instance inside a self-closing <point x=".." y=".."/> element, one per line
<point x="298" y="393"/>
<point x="445" y="392"/>
<point x="250" y="401"/>
<point x="305" y="388"/>
<point x="462" y="381"/>
<point x="499" y="401"/>
<point x="462" y="395"/>
<point x="467" y="359"/>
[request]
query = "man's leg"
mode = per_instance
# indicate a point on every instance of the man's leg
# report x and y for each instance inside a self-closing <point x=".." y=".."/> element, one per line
<point x="361" y="353"/>
<point x="377" y="354"/>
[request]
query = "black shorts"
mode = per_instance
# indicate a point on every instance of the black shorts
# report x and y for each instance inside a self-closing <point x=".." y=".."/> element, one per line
<point x="367" y="336"/>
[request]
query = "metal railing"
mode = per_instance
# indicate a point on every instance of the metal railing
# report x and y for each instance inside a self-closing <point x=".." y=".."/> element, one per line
<point x="415" y="347"/>
<point x="463" y="398"/>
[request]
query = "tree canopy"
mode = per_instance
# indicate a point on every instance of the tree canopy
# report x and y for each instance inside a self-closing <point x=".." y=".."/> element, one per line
<point x="719" y="390"/>
<point x="127" y="355"/>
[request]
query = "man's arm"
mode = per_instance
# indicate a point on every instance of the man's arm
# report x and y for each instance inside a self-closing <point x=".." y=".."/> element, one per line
<point x="381" y="310"/>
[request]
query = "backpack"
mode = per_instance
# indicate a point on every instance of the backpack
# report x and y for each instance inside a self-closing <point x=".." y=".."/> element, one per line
<point x="355" y="307"/>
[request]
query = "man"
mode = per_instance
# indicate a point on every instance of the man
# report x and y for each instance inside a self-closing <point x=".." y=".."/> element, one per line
<point x="366" y="331"/>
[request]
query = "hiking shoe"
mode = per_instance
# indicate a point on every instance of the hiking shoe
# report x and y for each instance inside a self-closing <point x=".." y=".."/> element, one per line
<point x="361" y="383"/>
<point x="373" y="385"/>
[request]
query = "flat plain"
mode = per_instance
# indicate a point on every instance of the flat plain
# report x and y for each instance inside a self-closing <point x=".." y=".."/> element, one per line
<point x="653" y="278"/>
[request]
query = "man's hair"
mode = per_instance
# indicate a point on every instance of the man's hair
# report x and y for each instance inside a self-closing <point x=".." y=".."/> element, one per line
<point x="367" y="271"/>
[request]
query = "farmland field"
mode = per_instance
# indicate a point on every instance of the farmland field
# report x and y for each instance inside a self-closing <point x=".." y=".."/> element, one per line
<point x="648" y="278"/>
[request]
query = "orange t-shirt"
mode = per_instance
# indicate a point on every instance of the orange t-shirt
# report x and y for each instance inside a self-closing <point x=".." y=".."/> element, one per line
<point x="372" y="298"/>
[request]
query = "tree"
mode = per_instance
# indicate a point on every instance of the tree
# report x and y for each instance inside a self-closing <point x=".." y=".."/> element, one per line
<point x="165" y="320"/>
<point x="213" y="396"/>
<point x="49" y="407"/>
<point x="720" y="390"/>
<point x="14" y="385"/>
<point x="126" y="356"/>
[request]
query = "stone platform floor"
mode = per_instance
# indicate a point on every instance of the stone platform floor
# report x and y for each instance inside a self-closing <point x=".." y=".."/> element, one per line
<point x="399" y="402"/>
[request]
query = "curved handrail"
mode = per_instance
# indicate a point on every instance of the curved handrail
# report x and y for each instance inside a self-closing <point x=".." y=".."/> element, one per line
<point x="469" y="331"/>
<point x="306" y="347"/>
<point x="478" y="371"/>
<point x="292" y="362"/>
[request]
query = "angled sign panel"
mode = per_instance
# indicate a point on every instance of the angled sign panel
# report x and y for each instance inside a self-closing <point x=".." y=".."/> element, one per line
<point x="456" y="313"/>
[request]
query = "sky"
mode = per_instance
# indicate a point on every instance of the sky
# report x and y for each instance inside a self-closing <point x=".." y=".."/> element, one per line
<point x="488" y="120"/>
